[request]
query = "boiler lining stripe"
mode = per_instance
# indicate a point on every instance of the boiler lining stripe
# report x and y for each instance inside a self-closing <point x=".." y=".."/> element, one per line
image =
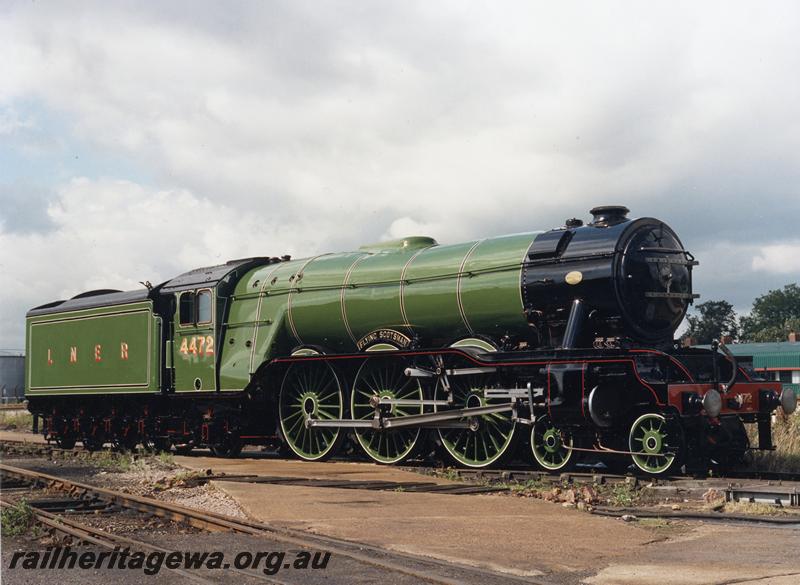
<point x="458" y="285"/>
<point x="258" y="314"/>
<point x="342" y="302"/>
<point x="403" y="314"/>
<point x="294" y="289"/>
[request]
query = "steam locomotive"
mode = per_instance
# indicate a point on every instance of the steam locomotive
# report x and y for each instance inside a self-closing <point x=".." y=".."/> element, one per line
<point x="551" y="346"/>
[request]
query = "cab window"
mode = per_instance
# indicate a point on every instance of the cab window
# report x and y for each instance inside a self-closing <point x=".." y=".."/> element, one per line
<point x="186" y="304"/>
<point x="204" y="306"/>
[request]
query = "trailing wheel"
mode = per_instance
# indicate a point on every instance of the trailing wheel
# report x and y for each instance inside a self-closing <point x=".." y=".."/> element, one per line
<point x="385" y="378"/>
<point x="551" y="447"/>
<point x="309" y="391"/>
<point x="489" y="437"/>
<point x="656" y="442"/>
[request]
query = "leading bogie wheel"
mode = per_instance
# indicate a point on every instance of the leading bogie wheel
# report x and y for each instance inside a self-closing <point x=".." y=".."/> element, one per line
<point x="384" y="377"/>
<point x="656" y="442"/>
<point x="551" y="446"/>
<point x="311" y="390"/>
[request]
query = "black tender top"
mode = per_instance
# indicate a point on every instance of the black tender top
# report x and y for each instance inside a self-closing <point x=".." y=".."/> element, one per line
<point x="199" y="277"/>
<point x="209" y="276"/>
<point x="92" y="299"/>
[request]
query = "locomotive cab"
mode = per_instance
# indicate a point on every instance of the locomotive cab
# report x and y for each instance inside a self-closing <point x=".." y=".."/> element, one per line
<point x="198" y="302"/>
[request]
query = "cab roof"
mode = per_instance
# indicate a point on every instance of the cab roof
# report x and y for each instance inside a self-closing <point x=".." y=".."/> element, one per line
<point x="210" y="276"/>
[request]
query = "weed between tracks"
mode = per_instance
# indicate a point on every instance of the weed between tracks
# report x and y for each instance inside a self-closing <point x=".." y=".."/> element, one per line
<point x="16" y="520"/>
<point x="124" y="462"/>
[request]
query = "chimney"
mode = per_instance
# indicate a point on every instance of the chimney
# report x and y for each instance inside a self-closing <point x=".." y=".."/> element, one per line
<point x="688" y="341"/>
<point x="792" y="336"/>
<point x="726" y="339"/>
<point x="608" y="215"/>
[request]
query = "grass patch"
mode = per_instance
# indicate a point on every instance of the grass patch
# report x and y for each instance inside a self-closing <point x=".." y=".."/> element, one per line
<point x="16" y="420"/>
<point x="753" y="508"/>
<point x="449" y="473"/>
<point x="166" y="458"/>
<point x="111" y="461"/>
<point x="16" y="520"/>
<point x="532" y="486"/>
<point x="123" y="462"/>
<point x="654" y="523"/>
<point x="786" y="438"/>
<point x="622" y="495"/>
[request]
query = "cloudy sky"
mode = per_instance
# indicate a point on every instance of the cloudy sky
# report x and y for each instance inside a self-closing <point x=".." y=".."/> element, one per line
<point x="140" y="140"/>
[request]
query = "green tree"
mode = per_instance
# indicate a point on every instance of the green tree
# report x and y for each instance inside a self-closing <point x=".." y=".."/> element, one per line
<point x="774" y="315"/>
<point x="714" y="320"/>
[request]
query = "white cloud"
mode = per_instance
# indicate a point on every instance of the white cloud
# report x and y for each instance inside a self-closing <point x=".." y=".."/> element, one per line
<point x="113" y="234"/>
<point x="297" y="127"/>
<point x="779" y="258"/>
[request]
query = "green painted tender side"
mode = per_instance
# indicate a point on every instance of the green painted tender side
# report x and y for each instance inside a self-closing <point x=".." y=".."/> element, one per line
<point x="435" y="293"/>
<point x="105" y="350"/>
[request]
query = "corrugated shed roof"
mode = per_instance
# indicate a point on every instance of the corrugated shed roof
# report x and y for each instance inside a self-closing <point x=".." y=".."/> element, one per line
<point x="782" y="354"/>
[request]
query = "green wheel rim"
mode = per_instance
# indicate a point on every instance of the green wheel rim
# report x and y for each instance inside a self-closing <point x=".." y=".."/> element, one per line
<point x="551" y="449"/>
<point x="310" y="390"/>
<point x="494" y="434"/>
<point x="650" y="437"/>
<point x="385" y="378"/>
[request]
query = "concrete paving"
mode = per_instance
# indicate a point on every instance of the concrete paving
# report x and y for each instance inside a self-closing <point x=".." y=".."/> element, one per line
<point x="20" y="436"/>
<point x="518" y="535"/>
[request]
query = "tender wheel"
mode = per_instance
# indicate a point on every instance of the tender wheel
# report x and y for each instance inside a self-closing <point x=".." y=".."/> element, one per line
<point x="489" y="437"/>
<point x="228" y="450"/>
<point x="550" y="445"/>
<point x="184" y="449"/>
<point x="93" y="442"/>
<point x="230" y="445"/>
<point x="66" y="441"/>
<point x="157" y="444"/>
<point x="385" y="378"/>
<point x="126" y="441"/>
<point x="310" y="391"/>
<point x="657" y="442"/>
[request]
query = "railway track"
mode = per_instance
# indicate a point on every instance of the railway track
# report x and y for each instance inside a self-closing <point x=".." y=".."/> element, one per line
<point x="423" y="569"/>
<point x="600" y="477"/>
<point x="509" y="474"/>
<point x="102" y="538"/>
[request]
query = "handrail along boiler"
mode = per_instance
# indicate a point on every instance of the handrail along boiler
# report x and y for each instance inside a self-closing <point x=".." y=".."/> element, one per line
<point x="546" y="345"/>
